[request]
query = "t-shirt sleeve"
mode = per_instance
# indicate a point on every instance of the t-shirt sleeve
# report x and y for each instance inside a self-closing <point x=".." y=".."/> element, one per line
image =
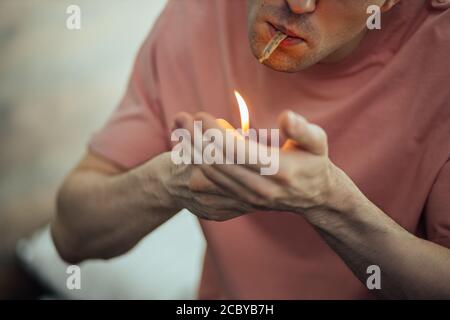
<point x="437" y="210"/>
<point x="136" y="131"/>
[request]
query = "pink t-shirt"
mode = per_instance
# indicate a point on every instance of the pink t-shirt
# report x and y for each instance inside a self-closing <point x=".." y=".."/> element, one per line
<point x="386" y="109"/>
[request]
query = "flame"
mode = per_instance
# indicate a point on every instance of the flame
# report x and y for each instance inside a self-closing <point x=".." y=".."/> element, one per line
<point x="243" y="109"/>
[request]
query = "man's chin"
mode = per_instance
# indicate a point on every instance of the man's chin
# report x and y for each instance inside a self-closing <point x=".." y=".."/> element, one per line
<point x="281" y="63"/>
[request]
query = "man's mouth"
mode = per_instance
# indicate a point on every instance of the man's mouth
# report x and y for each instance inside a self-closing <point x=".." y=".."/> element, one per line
<point x="292" y="38"/>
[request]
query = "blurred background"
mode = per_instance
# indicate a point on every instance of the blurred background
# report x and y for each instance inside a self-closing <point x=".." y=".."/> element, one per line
<point x="57" y="86"/>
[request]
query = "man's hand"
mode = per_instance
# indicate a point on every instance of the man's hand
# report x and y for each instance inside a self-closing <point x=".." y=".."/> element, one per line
<point x="306" y="177"/>
<point x="355" y="228"/>
<point x="191" y="189"/>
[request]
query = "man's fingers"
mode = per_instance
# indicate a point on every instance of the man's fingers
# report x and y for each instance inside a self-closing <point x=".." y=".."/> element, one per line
<point x="182" y="120"/>
<point x="217" y="136"/>
<point x="235" y="148"/>
<point x="304" y="135"/>
<point x="196" y="130"/>
<point x="211" y="201"/>
<point x="244" y="183"/>
<point x="225" y="124"/>
<point x="201" y="183"/>
<point x="229" y="184"/>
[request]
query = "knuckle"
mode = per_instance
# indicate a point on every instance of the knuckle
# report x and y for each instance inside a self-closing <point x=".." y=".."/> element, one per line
<point x="197" y="181"/>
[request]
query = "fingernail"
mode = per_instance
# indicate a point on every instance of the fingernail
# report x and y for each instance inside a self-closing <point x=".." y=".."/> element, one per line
<point x="295" y="119"/>
<point x="292" y="118"/>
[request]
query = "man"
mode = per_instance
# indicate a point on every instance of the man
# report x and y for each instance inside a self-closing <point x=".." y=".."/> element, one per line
<point x="364" y="179"/>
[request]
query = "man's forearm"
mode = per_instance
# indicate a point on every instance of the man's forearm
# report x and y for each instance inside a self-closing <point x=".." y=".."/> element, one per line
<point x="102" y="216"/>
<point x="362" y="235"/>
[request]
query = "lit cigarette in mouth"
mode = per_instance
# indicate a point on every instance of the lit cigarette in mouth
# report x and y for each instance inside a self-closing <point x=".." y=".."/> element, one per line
<point x="272" y="46"/>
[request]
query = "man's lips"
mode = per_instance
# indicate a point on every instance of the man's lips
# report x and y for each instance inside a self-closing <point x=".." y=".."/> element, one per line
<point x="292" y="38"/>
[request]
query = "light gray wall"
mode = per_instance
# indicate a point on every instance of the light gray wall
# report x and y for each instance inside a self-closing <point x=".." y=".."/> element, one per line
<point x="56" y="87"/>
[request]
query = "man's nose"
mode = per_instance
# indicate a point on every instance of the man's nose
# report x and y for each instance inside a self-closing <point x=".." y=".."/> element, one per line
<point x="302" y="6"/>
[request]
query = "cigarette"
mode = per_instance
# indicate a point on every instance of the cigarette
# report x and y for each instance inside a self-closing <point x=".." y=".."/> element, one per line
<point x="272" y="46"/>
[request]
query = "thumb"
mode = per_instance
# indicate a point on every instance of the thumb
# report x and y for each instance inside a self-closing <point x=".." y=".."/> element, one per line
<point x="302" y="134"/>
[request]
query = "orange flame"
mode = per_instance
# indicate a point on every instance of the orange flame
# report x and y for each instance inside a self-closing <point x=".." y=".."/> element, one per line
<point x="243" y="109"/>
